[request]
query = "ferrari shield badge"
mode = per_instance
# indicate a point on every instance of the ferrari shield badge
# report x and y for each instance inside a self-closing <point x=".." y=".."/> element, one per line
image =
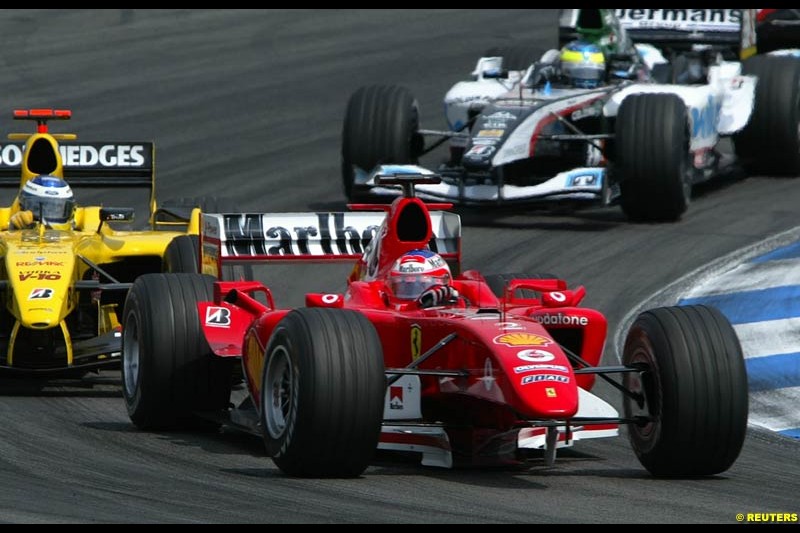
<point x="416" y="341"/>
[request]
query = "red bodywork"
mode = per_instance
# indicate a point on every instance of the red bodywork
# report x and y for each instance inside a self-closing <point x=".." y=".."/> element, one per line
<point x="507" y="367"/>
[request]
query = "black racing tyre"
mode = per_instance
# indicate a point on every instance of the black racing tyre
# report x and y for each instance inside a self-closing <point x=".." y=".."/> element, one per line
<point x="381" y="126"/>
<point x="498" y="282"/>
<point x="322" y="393"/>
<point x="652" y="160"/>
<point x="178" y="258"/>
<point x="168" y="370"/>
<point x="517" y="57"/>
<point x="694" y="385"/>
<point x="770" y="143"/>
<point x="182" y="255"/>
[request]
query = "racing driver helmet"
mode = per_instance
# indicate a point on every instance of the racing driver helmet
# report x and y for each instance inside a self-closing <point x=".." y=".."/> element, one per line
<point x="50" y="198"/>
<point x="583" y="64"/>
<point x="416" y="271"/>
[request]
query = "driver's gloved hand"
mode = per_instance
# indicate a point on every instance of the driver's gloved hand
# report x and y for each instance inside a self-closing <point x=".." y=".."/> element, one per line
<point x="21" y="219"/>
<point x="542" y="74"/>
<point x="436" y="296"/>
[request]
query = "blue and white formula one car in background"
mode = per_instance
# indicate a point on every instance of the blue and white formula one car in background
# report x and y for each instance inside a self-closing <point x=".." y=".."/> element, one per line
<point x="674" y="85"/>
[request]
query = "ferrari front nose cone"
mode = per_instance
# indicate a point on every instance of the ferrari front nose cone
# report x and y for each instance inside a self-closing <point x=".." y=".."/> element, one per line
<point x="551" y="395"/>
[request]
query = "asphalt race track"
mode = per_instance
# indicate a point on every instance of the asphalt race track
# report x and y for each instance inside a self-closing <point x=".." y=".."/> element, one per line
<point x="249" y="104"/>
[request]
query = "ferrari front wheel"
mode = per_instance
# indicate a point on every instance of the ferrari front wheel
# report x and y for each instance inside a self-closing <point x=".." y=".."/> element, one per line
<point x="690" y="392"/>
<point x="322" y="393"/>
<point x="168" y="369"/>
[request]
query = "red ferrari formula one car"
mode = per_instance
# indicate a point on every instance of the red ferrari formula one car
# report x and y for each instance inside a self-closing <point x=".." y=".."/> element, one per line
<point x="507" y="365"/>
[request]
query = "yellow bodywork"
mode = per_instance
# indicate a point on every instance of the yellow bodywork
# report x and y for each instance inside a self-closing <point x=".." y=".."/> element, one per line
<point x="42" y="267"/>
<point x="55" y="313"/>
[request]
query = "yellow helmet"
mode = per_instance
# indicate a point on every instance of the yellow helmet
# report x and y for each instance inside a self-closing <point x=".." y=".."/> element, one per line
<point x="583" y="64"/>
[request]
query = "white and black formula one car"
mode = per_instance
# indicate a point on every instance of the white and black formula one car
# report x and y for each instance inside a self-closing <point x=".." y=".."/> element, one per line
<point x="675" y="84"/>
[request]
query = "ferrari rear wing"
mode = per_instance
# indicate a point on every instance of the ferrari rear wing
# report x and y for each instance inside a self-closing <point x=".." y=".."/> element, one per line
<point x="94" y="164"/>
<point x="325" y="236"/>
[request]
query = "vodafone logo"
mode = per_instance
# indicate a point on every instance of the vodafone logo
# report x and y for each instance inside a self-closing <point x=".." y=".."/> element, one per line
<point x="561" y="319"/>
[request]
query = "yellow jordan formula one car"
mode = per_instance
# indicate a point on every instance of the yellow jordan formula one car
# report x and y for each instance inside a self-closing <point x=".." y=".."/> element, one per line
<point x="62" y="290"/>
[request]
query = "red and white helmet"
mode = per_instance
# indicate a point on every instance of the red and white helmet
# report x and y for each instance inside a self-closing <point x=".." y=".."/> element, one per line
<point x="416" y="271"/>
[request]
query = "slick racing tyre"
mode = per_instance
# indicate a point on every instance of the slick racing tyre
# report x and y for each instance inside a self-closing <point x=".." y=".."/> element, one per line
<point x="692" y="387"/>
<point x="182" y="255"/>
<point x="322" y="393"/>
<point x="168" y="370"/>
<point x="770" y="143"/>
<point x="499" y="282"/>
<point x="183" y="252"/>
<point x="652" y="161"/>
<point x="381" y="126"/>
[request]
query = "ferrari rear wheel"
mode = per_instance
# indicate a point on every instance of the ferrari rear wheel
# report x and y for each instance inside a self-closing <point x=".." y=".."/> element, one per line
<point x="168" y="370"/>
<point x="692" y="387"/>
<point x="652" y="162"/>
<point x="322" y="393"/>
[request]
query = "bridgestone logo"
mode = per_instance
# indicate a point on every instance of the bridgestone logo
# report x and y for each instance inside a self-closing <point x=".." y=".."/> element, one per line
<point x="561" y="320"/>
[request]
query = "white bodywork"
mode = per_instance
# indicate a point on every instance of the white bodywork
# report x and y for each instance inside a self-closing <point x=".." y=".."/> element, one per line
<point x="480" y="91"/>
<point x="409" y="435"/>
<point x="590" y="406"/>
<point x="721" y="107"/>
<point x="587" y="183"/>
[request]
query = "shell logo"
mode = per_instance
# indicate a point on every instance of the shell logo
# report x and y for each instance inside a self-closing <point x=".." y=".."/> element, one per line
<point x="522" y="339"/>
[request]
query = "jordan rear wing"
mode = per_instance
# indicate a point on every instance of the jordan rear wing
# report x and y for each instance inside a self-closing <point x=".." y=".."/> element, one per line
<point x="318" y="237"/>
<point x="94" y="164"/>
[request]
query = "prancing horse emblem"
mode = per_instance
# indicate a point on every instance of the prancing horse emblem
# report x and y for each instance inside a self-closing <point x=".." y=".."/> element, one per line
<point x="416" y="341"/>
